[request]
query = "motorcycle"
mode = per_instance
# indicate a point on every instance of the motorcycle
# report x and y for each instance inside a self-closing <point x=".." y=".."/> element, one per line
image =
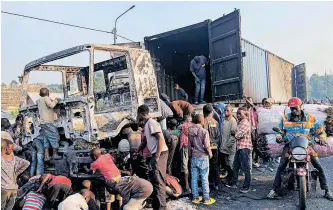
<point x="302" y="175"/>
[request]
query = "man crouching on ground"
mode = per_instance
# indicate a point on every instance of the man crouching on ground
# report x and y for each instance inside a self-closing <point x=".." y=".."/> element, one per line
<point x="132" y="189"/>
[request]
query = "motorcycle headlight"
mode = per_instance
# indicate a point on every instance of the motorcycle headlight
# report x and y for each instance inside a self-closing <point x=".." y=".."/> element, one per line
<point x="299" y="153"/>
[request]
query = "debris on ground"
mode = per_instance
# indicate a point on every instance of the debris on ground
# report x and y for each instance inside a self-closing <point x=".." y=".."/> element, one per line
<point x="180" y="204"/>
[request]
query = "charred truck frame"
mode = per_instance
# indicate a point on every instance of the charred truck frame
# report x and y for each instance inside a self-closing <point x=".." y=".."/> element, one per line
<point x="89" y="116"/>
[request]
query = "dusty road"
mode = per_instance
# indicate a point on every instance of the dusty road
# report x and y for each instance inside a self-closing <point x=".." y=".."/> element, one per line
<point x="231" y="198"/>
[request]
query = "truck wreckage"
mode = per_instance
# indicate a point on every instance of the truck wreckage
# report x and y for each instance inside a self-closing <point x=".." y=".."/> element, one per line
<point x="88" y="116"/>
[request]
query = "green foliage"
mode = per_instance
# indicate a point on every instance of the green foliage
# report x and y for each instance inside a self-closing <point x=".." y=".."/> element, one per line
<point x="55" y="88"/>
<point x="14" y="113"/>
<point x="14" y="82"/>
<point x="320" y="87"/>
<point x="99" y="82"/>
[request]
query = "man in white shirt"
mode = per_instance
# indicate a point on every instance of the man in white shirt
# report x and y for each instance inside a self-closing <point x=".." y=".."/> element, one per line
<point x="78" y="201"/>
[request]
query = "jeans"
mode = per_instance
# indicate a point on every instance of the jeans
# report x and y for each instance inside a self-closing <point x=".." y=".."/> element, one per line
<point x="8" y="199"/>
<point x="201" y="85"/>
<point x="157" y="178"/>
<point x="284" y="163"/>
<point x="200" y="166"/>
<point x="243" y="161"/>
<point x="51" y="135"/>
<point x="37" y="161"/>
<point x="214" y="175"/>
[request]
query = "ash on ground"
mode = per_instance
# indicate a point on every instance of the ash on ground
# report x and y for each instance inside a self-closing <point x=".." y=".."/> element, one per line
<point x="180" y="204"/>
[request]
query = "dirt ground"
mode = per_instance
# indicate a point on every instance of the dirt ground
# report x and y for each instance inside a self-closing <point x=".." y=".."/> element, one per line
<point x="255" y="200"/>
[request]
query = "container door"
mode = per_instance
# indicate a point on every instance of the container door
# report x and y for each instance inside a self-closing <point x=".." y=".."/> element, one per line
<point x="226" y="57"/>
<point x="299" y="82"/>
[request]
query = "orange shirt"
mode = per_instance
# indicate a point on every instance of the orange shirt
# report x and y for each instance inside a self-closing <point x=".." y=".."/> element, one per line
<point x="182" y="108"/>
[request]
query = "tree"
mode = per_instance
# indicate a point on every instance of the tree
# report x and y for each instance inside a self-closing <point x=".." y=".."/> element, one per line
<point x="14" y="82"/>
<point x="320" y="87"/>
<point x="14" y="113"/>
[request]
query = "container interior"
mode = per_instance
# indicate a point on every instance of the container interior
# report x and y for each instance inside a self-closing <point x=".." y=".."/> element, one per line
<point x="176" y="49"/>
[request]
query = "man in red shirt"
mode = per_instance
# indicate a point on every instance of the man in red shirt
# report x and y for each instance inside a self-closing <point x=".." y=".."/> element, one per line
<point x="105" y="164"/>
<point x="244" y="150"/>
<point x="58" y="186"/>
<point x="133" y="190"/>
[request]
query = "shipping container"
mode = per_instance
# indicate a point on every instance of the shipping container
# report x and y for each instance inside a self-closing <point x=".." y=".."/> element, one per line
<point x="237" y="67"/>
<point x="279" y="78"/>
<point x="299" y="82"/>
<point x="255" y="71"/>
<point x="176" y="49"/>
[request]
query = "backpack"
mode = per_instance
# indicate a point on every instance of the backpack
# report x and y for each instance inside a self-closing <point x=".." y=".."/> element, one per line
<point x="173" y="183"/>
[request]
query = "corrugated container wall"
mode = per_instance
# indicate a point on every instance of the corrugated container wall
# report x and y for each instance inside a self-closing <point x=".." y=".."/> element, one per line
<point x="279" y="71"/>
<point x="255" y="72"/>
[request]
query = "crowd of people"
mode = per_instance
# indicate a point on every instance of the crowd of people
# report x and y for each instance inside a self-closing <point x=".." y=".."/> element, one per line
<point x="161" y="157"/>
<point x="320" y="102"/>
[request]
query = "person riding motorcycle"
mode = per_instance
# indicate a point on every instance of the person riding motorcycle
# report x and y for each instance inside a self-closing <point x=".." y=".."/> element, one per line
<point x="299" y="123"/>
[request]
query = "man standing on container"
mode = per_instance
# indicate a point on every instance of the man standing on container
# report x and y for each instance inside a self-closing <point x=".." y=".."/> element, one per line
<point x="198" y="70"/>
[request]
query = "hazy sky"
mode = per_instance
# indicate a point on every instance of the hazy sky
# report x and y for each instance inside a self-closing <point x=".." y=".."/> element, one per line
<point x="297" y="31"/>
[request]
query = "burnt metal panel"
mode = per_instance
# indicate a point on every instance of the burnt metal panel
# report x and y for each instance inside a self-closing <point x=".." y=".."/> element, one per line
<point x="138" y="45"/>
<point x="110" y="65"/>
<point x="255" y="72"/>
<point x="299" y="82"/>
<point x="279" y="78"/>
<point x="226" y="57"/>
<point x="55" y="56"/>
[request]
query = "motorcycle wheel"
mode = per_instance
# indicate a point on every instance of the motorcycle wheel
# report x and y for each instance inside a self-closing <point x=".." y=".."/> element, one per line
<point x="302" y="192"/>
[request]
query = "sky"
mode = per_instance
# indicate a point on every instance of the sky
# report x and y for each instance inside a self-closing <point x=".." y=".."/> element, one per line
<point x="300" y="32"/>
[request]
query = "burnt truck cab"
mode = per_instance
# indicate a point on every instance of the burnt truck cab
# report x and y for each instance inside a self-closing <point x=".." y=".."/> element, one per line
<point x="99" y="99"/>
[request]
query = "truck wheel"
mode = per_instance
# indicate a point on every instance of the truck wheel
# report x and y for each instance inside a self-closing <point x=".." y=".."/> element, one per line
<point x="302" y="193"/>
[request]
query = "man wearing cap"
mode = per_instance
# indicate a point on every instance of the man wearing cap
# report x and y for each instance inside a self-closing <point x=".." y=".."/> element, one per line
<point x="123" y="160"/>
<point x="198" y="70"/>
<point x="299" y="122"/>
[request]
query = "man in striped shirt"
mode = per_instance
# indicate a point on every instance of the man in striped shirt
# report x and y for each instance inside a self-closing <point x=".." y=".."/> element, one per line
<point x="244" y="151"/>
<point x="34" y="201"/>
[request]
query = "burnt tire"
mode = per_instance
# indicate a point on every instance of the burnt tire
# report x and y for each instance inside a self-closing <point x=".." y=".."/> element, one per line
<point x="302" y="192"/>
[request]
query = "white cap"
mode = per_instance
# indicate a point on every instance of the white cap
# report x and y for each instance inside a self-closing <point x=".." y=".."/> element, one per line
<point x="124" y="146"/>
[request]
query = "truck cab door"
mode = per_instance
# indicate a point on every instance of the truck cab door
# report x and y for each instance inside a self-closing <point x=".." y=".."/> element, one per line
<point x="299" y="82"/>
<point x="226" y="57"/>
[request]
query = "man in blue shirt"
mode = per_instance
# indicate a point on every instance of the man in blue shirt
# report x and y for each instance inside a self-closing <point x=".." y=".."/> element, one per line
<point x="197" y="67"/>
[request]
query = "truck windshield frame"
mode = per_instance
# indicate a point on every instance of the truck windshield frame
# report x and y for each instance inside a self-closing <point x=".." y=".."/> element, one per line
<point x="84" y="74"/>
